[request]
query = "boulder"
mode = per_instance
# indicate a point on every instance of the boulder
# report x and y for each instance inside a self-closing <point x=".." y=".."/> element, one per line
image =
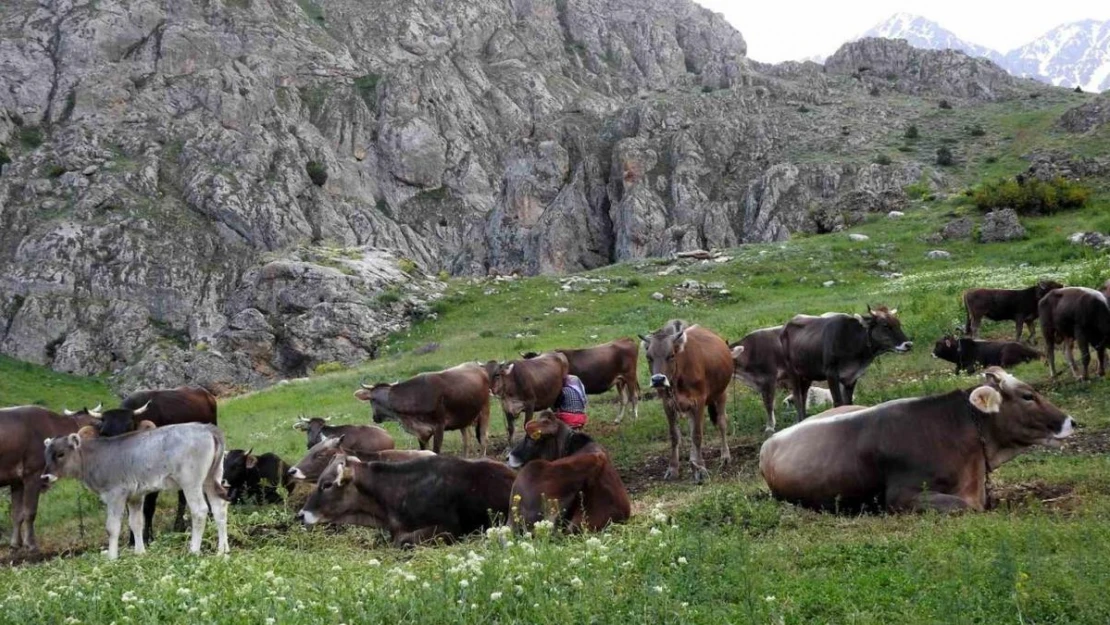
<point x="938" y="255"/>
<point x="957" y="229"/>
<point x="1001" y="225"/>
<point x="858" y="238"/>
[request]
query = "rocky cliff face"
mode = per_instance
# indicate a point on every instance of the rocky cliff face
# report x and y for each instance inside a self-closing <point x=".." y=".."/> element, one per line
<point x="235" y="190"/>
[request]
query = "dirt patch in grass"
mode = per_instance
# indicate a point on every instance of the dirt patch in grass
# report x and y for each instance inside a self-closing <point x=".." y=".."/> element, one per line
<point x="1023" y="494"/>
<point x="649" y="471"/>
<point x="1086" y="442"/>
<point x="23" y="556"/>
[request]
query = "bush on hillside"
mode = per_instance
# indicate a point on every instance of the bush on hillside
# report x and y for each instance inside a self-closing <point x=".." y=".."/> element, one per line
<point x="912" y="132"/>
<point x="1032" y="196"/>
<point x="944" y="157"/>
<point x="945" y="104"/>
<point x="976" y="130"/>
<point x="882" y="159"/>
<point x="317" y="173"/>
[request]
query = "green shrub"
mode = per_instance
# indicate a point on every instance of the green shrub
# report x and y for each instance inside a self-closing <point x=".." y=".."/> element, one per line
<point x="487" y="334"/>
<point x="882" y="159"/>
<point x="317" y="173"/>
<point x="4" y="158"/>
<point x="875" y="92"/>
<point x="990" y="160"/>
<point x="944" y="157"/>
<point x="905" y="148"/>
<point x="707" y="89"/>
<point x="367" y="88"/>
<point x="56" y="171"/>
<point x="443" y="275"/>
<point x="388" y="297"/>
<point x="803" y="109"/>
<point x="1032" y="196"/>
<point x="912" y="132"/>
<point x="944" y="104"/>
<point x="31" y="136"/>
<point x="1078" y="89"/>
<point x="918" y="190"/>
<point x="406" y="265"/>
<point x="976" y="130"/>
<point x="328" y="367"/>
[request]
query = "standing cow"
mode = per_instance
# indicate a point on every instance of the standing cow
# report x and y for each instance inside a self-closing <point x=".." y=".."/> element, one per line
<point x="1020" y="305"/>
<point x="358" y="438"/>
<point x="121" y="469"/>
<point x="760" y="364"/>
<point x="604" y="366"/>
<point x="22" y="430"/>
<point x="838" y="348"/>
<point x="527" y="386"/>
<point x="429" y="404"/>
<point x="1076" y="314"/>
<point x="690" y="369"/>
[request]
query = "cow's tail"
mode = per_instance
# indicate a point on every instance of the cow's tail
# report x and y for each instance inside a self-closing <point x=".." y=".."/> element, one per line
<point x="712" y="408"/>
<point x="967" y="316"/>
<point x="215" y="475"/>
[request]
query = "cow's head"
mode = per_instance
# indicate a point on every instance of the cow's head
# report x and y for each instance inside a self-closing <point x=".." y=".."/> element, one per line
<point x="335" y="494"/>
<point x="529" y="355"/>
<point x="1018" y="416"/>
<point x="316" y="460"/>
<point x="238" y="465"/>
<point x="313" y="428"/>
<point x="378" y="396"/>
<point x="63" y="456"/>
<point x="661" y="348"/>
<point x="121" y="420"/>
<point x="947" y="348"/>
<point x="499" y="373"/>
<point x="545" y="438"/>
<point x="885" y="330"/>
<point x="1045" y="286"/>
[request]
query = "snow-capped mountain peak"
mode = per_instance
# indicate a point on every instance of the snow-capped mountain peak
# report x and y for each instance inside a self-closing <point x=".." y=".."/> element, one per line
<point x="1071" y="54"/>
<point x="922" y="32"/>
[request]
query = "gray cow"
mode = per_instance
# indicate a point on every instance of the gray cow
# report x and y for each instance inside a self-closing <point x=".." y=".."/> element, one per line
<point x="122" y="469"/>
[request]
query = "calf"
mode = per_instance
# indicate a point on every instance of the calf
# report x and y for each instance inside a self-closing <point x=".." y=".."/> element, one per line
<point x="255" y="478"/>
<point x="317" y="459"/>
<point x="838" y="348"/>
<point x="430" y="404"/>
<point x="1076" y="314"/>
<point x="21" y="461"/>
<point x="359" y="438"/>
<point x="415" y="501"/>
<point x="526" y="386"/>
<point x="604" y="366"/>
<point x="966" y="353"/>
<point x="121" y="469"/>
<point x="567" y="471"/>
<point x="1003" y="304"/>
<point x="759" y="363"/>
<point x="690" y="369"/>
<point x="911" y="454"/>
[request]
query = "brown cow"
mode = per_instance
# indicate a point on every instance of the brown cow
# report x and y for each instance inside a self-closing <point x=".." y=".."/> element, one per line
<point x="690" y="369"/>
<point x="1076" y="314"/>
<point x="356" y="438"/>
<point x="603" y="366"/>
<point x="22" y="430"/>
<point x="759" y="363"/>
<point x="911" y="454"/>
<point x="567" y="471"/>
<point x="317" y="459"/>
<point x="527" y="386"/>
<point x="1019" y="305"/>
<point x="429" y="404"/>
<point x="438" y="497"/>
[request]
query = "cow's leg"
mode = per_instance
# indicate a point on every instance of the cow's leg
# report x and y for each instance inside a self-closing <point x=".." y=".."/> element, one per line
<point x="1084" y="354"/>
<point x="622" y="393"/>
<point x="974" y="322"/>
<point x="179" y="520"/>
<point x="17" y="515"/>
<point x="481" y="429"/>
<point x="219" y="514"/>
<point x="437" y="437"/>
<point x="135" y="522"/>
<point x="801" y="393"/>
<point x="199" y="512"/>
<point x="1069" y="356"/>
<point x="1020" y="323"/>
<point x="31" y="492"/>
<point x="632" y="386"/>
<point x="422" y="535"/>
<point x="835" y="388"/>
<point x="1032" y="323"/>
<point x="697" y="425"/>
<point x="907" y="500"/>
<point x="112" y="522"/>
<point x="850" y="392"/>
<point x="1050" y="353"/>
<point x="718" y="407"/>
<point x="150" y="504"/>
<point x="464" y="432"/>
<point x="672" y="423"/>
<point x="510" y="426"/>
<point x="1101" y="352"/>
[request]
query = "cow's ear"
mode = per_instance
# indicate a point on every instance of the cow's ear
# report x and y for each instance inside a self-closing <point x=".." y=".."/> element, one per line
<point x="893" y="311"/>
<point x="509" y="369"/>
<point x="645" y="342"/>
<point x="346" y="474"/>
<point x="986" y="399"/>
<point x="736" y="351"/>
<point x="997" y="376"/>
<point x="46" y="442"/>
<point x="251" y="461"/>
<point x="88" y="432"/>
<point x="680" y="342"/>
<point x="74" y="440"/>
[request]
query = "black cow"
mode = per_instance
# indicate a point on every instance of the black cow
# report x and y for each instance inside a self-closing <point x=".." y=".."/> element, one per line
<point x="255" y="478"/>
<point x="966" y="353"/>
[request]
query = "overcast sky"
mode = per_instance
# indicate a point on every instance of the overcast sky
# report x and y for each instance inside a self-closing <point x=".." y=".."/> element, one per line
<point x="779" y="30"/>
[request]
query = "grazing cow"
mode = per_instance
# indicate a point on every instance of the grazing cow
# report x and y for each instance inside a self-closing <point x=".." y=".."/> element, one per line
<point x="567" y="471"/>
<point x="358" y="438"/>
<point x="911" y="454"/>
<point x="416" y="501"/>
<point x="429" y="404"/>
<point x="255" y="478"/>
<point x="815" y="398"/>
<point x="317" y="459"/>
<point x="1076" y="314"/>
<point x="184" y="404"/>
<point x="603" y="366"/>
<point x="966" y="353"/>
<point x="760" y="364"/>
<point x="837" y="348"/>
<point x="1020" y="305"/>
<point x="121" y="469"/>
<point x="690" y="369"/>
<point x="21" y="461"/>
<point x="527" y="386"/>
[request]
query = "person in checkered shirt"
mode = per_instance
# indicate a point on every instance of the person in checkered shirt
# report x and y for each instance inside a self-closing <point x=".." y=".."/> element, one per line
<point x="570" y="408"/>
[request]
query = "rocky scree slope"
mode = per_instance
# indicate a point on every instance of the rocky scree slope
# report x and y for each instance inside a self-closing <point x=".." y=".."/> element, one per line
<point x="238" y="190"/>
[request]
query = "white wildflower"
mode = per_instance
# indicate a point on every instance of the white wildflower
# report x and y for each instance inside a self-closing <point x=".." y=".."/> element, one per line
<point x="464" y="583"/>
<point x="519" y="590"/>
<point x="71" y="620"/>
<point x="128" y="597"/>
<point x="769" y="598"/>
<point x="577" y="583"/>
<point x="166" y="578"/>
<point x="682" y="560"/>
<point x="336" y="568"/>
<point x="425" y="585"/>
<point x="685" y="604"/>
<point x="270" y="620"/>
<point x="655" y="531"/>
<point x="658" y="589"/>
<point x="51" y="594"/>
<point x="269" y="575"/>
<point x="374" y="562"/>
<point x="183" y="591"/>
<point x="593" y="542"/>
<point x="494" y="596"/>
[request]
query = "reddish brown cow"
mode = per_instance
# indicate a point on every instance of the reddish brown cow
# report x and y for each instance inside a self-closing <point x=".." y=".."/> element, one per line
<point x="317" y="459"/>
<point x="760" y="364"/>
<point x="603" y="366"/>
<point x="567" y="471"/>
<point x="1076" y="314"/>
<point x="22" y="430"/>
<point x="690" y="369"/>
<point x="357" y="438"/>
<point x="431" y="403"/>
<point x="528" y="385"/>
<point x="1002" y="304"/>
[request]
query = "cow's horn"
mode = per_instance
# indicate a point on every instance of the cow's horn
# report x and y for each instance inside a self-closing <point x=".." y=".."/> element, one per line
<point x="95" y="412"/>
<point x="67" y="412"/>
<point x="326" y="419"/>
<point x="365" y="385"/>
<point x="140" y="410"/>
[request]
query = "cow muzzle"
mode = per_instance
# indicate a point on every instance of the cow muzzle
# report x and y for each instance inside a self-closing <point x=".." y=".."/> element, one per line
<point x="295" y="473"/>
<point x="514" y="462"/>
<point x="48" y="479"/>
<point x="307" y="517"/>
<point x="660" y="381"/>
<point x="903" y="347"/>
<point x="1067" y="429"/>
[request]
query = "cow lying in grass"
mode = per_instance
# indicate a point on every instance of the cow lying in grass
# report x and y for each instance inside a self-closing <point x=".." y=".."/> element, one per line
<point x="320" y="456"/>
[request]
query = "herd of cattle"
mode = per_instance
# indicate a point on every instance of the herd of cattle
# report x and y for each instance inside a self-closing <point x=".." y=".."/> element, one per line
<point x="906" y="454"/>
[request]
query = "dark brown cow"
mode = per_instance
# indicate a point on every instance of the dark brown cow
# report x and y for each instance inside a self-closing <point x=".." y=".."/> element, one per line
<point x="837" y="348"/>
<point x="357" y="438"/>
<point x="22" y="430"/>
<point x="911" y="454"/>
<point x="1076" y="314"/>
<point x="439" y="497"/>
<point x="431" y="403"/>
<point x="1020" y="305"/>
<point x="317" y="459"/>
<point x="568" y="471"/>
<point x="527" y="386"/>
<point x="603" y="366"/>
<point x="184" y="404"/>
<point x="967" y="353"/>
<point x="759" y="363"/>
<point x="255" y="479"/>
<point x="690" y="369"/>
